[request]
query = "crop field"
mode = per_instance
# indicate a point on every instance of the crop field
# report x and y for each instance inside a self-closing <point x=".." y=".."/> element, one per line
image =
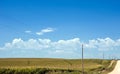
<point x="52" y="66"/>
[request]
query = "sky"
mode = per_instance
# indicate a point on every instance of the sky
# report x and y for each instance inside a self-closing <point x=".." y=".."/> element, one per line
<point x="58" y="28"/>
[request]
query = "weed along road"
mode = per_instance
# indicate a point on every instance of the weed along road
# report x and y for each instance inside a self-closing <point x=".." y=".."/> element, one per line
<point x="117" y="68"/>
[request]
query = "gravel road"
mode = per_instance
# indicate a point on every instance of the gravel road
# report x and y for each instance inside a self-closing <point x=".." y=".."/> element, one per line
<point x="117" y="69"/>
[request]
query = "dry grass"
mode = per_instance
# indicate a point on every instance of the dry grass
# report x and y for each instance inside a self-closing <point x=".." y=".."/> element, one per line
<point x="90" y="65"/>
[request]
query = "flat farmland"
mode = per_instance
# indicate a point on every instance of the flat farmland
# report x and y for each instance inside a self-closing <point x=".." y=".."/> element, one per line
<point x="50" y="64"/>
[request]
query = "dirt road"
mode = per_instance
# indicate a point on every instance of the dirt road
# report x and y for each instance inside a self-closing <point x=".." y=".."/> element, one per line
<point x="117" y="69"/>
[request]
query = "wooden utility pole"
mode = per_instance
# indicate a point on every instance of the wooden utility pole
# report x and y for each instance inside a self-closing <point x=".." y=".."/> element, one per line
<point x="103" y="56"/>
<point x="82" y="61"/>
<point x="28" y="62"/>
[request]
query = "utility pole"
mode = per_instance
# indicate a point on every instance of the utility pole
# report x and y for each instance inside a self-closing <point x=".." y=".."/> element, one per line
<point x="109" y="57"/>
<point x="103" y="56"/>
<point x="82" y="61"/>
<point x="28" y="62"/>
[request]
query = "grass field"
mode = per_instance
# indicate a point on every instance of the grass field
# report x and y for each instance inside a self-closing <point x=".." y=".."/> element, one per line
<point x="52" y="66"/>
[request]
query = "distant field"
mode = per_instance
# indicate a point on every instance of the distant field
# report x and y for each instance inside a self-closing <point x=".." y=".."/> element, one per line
<point x="53" y="66"/>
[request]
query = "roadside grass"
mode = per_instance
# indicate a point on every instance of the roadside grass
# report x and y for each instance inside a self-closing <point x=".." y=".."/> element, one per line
<point x="53" y="66"/>
<point x="110" y="67"/>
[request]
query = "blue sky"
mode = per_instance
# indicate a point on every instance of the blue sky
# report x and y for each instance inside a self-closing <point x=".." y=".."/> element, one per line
<point x="56" y="20"/>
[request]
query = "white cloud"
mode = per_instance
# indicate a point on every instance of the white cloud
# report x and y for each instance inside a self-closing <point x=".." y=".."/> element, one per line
<point x="28" y="31"/>
<point x="45" y="31"/>
<point x="103" y="44"/>
<point x="72" y="44"/>
<point x="43" y="44"/>
<point x="61" y="46"/>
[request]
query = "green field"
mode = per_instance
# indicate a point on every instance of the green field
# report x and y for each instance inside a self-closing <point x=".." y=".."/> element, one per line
<point x="53" y="66"/>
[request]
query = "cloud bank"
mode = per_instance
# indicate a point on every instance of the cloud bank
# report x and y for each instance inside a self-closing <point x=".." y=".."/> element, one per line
<point x="71" y="46"/>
